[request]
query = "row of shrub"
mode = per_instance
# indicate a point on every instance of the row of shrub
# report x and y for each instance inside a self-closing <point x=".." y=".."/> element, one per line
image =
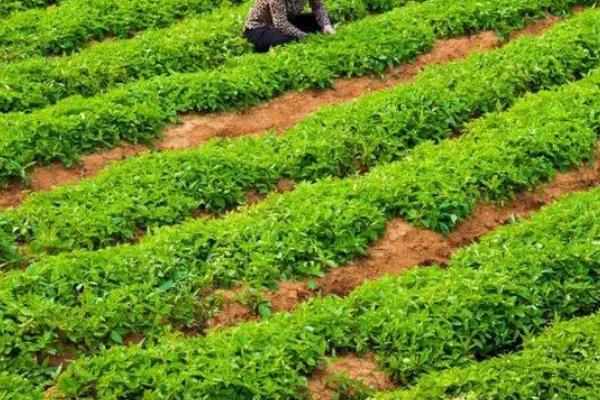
<point x="138" y="111"/>
<point x="190" y="45"/>
<point x="164" y="188"/>
<point x="492" y="296"/>
<point x="69" y="26"/>
<point x="562" y="363"/>
<point x="11" y="6"/>
<point x="84" y="301"/>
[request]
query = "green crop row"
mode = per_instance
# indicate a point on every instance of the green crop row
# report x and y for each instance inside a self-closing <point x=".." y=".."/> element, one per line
<point x="86" y="300"/>
<point x="492" y="296"/>
<point x="562" y="363"/>
<point x="8" y="7"/>
<point x="138" y="111"/>
<point x="163" y="188"/>
<point x="69" y="26"/>
<point x="191" y="45"/>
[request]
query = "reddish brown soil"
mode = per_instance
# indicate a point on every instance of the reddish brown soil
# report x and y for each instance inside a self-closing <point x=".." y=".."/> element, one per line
<point x="286" y="110"/>
<point x="47" y="177"/>
<point x="405" y="246"/>
<point x="133" y="338"/>
<point x="61" y="360"/>
<point x="232" y="310"/>
<point x="362" y="369"/>
<point x="278" y="114"/>
<point x="536" y="27"/>
<point x="288" y="295"/>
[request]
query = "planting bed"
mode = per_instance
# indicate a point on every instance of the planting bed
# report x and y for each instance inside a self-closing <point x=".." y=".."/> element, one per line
<point x="408" y="209"/>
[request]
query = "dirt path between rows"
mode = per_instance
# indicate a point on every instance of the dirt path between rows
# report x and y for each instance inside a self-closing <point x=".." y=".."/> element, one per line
<point x="364" y="369"/>
<point x="404" y="246"/>
<point x="279" y="114"/>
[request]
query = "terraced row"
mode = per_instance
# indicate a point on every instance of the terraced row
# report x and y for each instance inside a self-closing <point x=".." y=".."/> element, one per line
<point x="492" y="296"/>
<point x="190" y="45"/>
<point x="193" y="44"/>
<point x="164" y="188"/>
<point x="562" y="363"/>
<point x="83" y="301"/>
<point x="139" y="110"/>
<point x="69" y="26"/>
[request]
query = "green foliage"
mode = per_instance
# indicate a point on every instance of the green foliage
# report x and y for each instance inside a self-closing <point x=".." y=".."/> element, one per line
<point x="14" y="387"/>
<point x="347" y="388"/>
<point x="491" y="297"/>
<point x="164" y="188"/>
<point x="562" y="363"/>
<point x="190" y="45"/>
<point x="92" y="299"/>
<point x="69" y="26"/>
<point x="8" y="7"/>
<point x="137" y="111"/>
<point x="9" y="254"/>
<point x="256" y="300"/>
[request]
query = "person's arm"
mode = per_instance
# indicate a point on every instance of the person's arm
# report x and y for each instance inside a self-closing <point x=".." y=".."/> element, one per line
<point x="280" y="19"/>
<point x="321" y="16"/>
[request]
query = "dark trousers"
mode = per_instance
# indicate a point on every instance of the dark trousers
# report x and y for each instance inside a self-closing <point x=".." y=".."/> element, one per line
<point x="266" y="37"/>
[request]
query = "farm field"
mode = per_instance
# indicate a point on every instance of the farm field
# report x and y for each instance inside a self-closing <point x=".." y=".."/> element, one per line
<point x="406" y="209"/>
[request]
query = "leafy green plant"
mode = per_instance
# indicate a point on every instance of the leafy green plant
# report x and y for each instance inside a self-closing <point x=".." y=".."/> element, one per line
<point x="9" y="254"/>
<point x="562" y="363"/>
<point x="14" y="387"/>
<point x="194" y="44"/>
<point x="137" y="111"/>
<point x="347" y="388"/>
<point x="86" y="299"/>
<point x="67" y="28"/>
<point x="70" y="25"/>
<point x="256" y="300"/>
<point x="11" y="6"/>
<point x="164" y="188"/>
<point x="492" y="296"/>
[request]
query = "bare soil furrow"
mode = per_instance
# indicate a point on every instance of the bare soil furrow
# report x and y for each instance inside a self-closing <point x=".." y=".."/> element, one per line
<point x="325" y="384"/>
<point x="278" y="114"/>
<point x="405" y="246"/>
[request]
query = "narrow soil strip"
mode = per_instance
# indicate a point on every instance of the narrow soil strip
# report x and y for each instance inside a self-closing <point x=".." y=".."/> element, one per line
<point x="278" y="114"/>
<point x="288" y="109"/>
<point x="363" y="369"/>
<point x="405" y="246"/>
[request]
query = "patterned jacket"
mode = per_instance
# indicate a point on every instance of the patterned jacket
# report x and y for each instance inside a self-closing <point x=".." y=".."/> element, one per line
<point x="276" y="13"/>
